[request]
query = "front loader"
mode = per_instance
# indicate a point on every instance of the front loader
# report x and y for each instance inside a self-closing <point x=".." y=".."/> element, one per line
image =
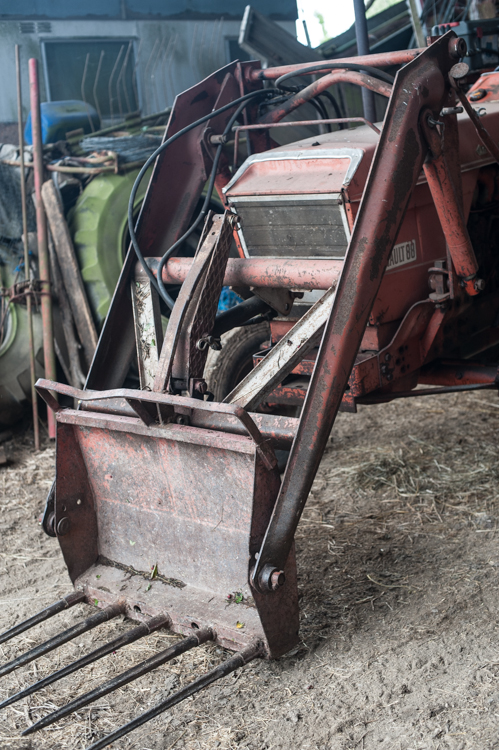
<point x="169" y="507"/>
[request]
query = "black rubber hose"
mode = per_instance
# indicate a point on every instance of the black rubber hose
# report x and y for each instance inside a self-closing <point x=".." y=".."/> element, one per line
<point x="162" y="289"/>
<point x="239" y="315"/>
<point x="334" y="103"/>
<point x="375" y="72"/>
<point x="319" y="106"/>
<point x="155" y="154"/>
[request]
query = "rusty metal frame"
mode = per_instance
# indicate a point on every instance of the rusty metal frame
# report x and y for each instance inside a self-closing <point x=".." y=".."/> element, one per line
<point x="397" y="164"/>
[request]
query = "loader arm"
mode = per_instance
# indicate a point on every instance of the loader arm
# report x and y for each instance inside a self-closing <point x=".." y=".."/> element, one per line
<point x="421" y="90"/>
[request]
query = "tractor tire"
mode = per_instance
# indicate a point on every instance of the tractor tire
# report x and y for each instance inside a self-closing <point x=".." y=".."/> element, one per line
<point x="15" y="381"/>
<point x="99" y="227"/>
<point x="226" y="368"/>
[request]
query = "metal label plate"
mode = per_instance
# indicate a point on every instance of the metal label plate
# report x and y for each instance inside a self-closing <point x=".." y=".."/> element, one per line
<point x="403" y="253"/>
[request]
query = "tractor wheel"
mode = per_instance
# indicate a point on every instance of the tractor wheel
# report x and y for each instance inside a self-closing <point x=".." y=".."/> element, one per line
<point x="98" y="225"/>
<point x="15" y="388"/>
<point x="226" y="368"/>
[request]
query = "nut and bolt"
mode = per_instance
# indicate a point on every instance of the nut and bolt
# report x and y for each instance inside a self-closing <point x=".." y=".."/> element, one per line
<point x="201" y="387"/>
<point x="457" y="50"/>
<point x="63" y="526"/>
<point x="217" y="140"/>
<point x="277" y="579"/>
<point x="451" y="111"/>
<point x="386" y="372"/>
<point x="480" y="285"/>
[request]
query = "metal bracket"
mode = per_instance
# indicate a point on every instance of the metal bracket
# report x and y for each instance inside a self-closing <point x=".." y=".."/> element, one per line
<point x="193" y="315"/>
<point x="284" y="356"/>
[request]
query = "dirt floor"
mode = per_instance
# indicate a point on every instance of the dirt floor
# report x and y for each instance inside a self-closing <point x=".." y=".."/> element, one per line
<point x="398" y="575"/>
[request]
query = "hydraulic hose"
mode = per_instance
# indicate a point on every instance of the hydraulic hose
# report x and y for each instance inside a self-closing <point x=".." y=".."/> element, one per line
<point x="158" y="284"/>
<point x="320" y="67"/>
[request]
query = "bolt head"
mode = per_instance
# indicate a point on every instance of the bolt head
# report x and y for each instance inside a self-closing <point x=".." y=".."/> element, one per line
<point x="63" y="526"/>
<point x="457" y="49"/>
<point x="480" y="285"/>
<point x="478" y="94"/>
<point x="277" y="579"/>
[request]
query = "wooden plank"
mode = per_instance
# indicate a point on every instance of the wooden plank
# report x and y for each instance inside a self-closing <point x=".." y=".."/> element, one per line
<point x="73" y="373"/>
<point x="70" y="270"/>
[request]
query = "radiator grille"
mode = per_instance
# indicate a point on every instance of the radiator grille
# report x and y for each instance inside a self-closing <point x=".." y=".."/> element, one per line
<point x="307" y="226"/>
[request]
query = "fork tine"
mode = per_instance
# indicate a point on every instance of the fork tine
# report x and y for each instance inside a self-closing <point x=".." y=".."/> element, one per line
<point x="224" y="669"/>
<point x="132" y="635"/>
<point x="67" y="635"/>
<point x="199" y="637"/>
<point x="69" y="601"/>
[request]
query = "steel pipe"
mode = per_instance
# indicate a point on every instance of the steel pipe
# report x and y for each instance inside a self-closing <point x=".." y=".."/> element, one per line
<point x="362" y="37"/>
<point x="322" y="84"/>
<point x="379" y="60"/>
<point x="273" y="273"/>
<point x="29" y="301"/>
<point x="41" y="230"/>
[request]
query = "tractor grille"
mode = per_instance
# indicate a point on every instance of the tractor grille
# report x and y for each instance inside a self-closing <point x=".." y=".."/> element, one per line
<point x="292" y="226"/>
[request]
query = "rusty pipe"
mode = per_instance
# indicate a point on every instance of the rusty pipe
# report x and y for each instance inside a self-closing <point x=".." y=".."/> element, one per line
<point x="322" y="84"/>
<point x="41" y="230"/>
<point x="452" y="221"/>
<point x="27" y="274"/>
<point x="273" y="273"/>
<point x="380" y="60"/>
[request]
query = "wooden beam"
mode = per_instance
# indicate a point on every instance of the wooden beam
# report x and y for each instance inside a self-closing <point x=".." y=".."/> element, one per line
<point x="70" y="270"/>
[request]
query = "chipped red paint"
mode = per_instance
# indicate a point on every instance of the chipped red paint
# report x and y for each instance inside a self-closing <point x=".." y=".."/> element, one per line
<point x="280" y="273"/>
<point x="322" y="84"/>
<point x="380" y="60"/>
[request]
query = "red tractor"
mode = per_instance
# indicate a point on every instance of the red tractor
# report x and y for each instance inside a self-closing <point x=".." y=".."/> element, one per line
<point x="374" y="252"/>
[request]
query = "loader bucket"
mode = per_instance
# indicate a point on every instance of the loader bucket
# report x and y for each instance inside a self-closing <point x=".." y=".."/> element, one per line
<point x="166" y="520"/>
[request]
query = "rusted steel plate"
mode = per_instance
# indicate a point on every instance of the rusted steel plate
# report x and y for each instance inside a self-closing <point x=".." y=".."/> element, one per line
<point x="190" y="504"/>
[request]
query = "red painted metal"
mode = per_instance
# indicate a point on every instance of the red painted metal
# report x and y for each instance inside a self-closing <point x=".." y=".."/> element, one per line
<point x="450" y="213"/>
<point x="394" y="173"/>
<point x="458" y="373"/>
<point x="161" y="515"/>
<point x="280" y="273"/>
<point x="41" y="230"/>
<point x="380" y="60"/>
<point x="322" y="84"/>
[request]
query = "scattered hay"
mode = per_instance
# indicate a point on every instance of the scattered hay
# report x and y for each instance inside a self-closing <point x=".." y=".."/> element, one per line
<point x="399" y="494"/>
